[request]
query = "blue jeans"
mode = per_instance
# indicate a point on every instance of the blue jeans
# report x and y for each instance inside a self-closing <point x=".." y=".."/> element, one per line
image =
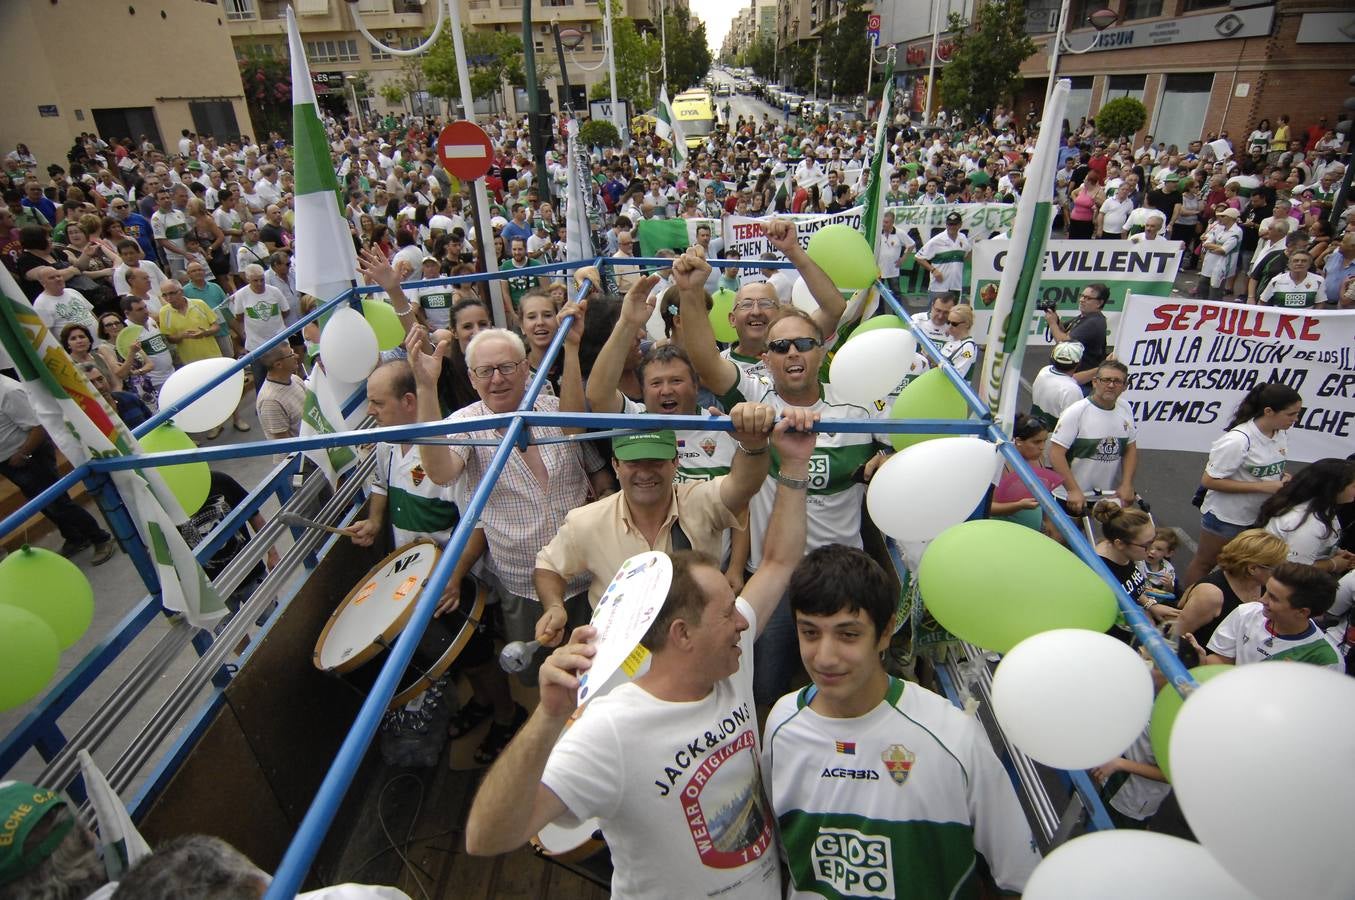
<point x="1213" y="524"/>
<point x="775" y="655"/>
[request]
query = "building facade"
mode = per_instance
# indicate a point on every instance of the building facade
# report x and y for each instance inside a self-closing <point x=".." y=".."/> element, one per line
<point x="123" y="69"/>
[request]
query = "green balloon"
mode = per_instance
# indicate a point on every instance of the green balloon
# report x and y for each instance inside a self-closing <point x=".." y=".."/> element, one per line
<point x="29" y="654"/>
<point x="1165" y="709"/>
<point x="844" y="255"/>
<point x="929" y="396"/>
<point x="381" y="316"/>
<point x="719" y="316"/>
<point x="995" y="583"/>
<point x="189" y="482"/>
<point x="52" y="588"/>
<point x="875" y="323"/>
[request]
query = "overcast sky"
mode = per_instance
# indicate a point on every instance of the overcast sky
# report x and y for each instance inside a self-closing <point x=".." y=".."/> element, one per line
<point x="717" y="14"/>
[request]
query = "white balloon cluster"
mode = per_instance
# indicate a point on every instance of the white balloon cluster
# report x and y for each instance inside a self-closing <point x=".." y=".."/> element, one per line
<point x="348" y="346"/>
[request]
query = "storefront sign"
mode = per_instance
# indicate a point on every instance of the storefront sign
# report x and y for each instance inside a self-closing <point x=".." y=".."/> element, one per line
<point x="1236" y="23"/>
<point x="916" y="54"/>
<point x="325" y="82"/>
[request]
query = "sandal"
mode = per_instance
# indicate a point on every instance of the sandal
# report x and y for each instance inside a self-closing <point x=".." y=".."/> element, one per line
<point x="467" y="718"/>
<point x="498" y="737"/>
<point x="240" y="426"/>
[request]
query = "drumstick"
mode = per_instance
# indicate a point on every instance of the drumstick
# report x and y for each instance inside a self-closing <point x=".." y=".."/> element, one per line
<point x="295" y="520"/>
<point x="518" y="655"/>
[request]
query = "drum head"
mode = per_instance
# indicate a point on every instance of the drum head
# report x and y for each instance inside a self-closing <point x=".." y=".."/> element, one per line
<point x="442" y="643"/>
<point x="376" y="610"/>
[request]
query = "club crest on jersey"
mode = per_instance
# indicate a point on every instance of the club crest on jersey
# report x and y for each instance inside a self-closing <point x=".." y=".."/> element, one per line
<point x="898" y="759"/>
<point x="709" y="446"/>
<point x="417" y="475"/>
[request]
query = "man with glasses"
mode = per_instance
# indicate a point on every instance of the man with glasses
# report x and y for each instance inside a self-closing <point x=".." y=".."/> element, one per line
<point x="258" y="308"/>
<point x="1088" y="329"/>
<point x="841" y="462"/>
<point x="189" y="324"/>
<point x="1094" y="444"/>
<point x="135" y="226"/>
<point x="282" y="395"/>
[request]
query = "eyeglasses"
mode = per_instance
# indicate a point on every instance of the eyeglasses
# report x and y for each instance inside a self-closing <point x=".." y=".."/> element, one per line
<point x="803" y="344"/>
<point x="1144" y="547"/>
<point x="953" y="322"/>
<point x="745" y="305"/>
<point x="1111" y="382"/>
<point x="119" y="205"/>
<point x="504" y="369"/>
<point x="164" y="293"/>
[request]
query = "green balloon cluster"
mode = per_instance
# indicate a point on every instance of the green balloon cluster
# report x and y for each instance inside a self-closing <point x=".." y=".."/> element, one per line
<point x="50" y="587"/>
<point x="723" y="300"/>
<point x="845" y="256"/>
<point x="188" y="482"/>
<point x="994" y="584"/>
<point x="381" y="316"/>
<point x="929" y="396"/>
<point x="1165" y="709"/>
<point x="29" y="653"/>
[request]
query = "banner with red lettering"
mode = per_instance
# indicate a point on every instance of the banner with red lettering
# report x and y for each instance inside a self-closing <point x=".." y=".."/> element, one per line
<point x="1191" y="362"/>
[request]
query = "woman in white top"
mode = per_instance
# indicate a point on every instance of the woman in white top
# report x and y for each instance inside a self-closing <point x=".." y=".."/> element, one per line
<point x="1303" y="513"/>
<point x="961" y="350"/>
<point x="1245" y="467"/>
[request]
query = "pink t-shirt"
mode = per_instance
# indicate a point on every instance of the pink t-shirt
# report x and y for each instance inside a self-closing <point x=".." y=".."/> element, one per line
<point x="1010" y="488"/>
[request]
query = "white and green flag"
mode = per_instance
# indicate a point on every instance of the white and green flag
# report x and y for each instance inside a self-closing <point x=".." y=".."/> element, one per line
<point x="120" y="844"/>
<point x="879" y="169"/>
<point x="1020" y="284"/>
<point x="669" y="129"/>
<point x="324" y="261"/>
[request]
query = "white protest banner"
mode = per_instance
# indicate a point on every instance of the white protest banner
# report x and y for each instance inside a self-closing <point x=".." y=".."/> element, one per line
<point x="1069" y="266"/>
<point x="1192" y="361"/>
<point x="979" y="219"/>
<point x="748" y="236"/>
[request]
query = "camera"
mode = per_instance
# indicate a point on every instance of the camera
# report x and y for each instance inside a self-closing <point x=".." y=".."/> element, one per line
<point x="1046" y="305"/>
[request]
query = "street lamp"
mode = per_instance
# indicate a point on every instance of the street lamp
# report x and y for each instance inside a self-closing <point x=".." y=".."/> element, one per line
<point x="352" y="82"/>
<point x="1100" y="19"/>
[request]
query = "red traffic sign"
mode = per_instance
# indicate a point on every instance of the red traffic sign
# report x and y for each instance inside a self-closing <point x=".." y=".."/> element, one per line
<point x="873" y="22"/>
<point x="464" y="150"/>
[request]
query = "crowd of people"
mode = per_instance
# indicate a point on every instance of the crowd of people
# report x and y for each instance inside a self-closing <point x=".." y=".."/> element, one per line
<point x="780" y="607"/>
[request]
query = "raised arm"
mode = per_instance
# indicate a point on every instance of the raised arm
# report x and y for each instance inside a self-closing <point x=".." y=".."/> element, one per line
<point x="781" y="235"/>
<point x="784" y="544"/>
<point x="377" y="269"/>
<point x="718" y="374"/>
<point x="604" y="396"/>
<point x="571" y="379"/>
<point x="752" y="426"/>
<point x="441" y="464"/>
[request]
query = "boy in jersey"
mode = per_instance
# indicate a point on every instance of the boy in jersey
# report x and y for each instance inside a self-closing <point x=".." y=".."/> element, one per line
<point x="880" y="787"/>
<point x="1296" y="288"/>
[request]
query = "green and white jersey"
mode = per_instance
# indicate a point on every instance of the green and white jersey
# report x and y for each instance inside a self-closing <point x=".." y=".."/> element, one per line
<point x="948" y="257"/>
<point x="1096" y="440"/>
<point x="1246" y="637"/>
<point x="417" y="507"/>
<point x="834" y="501"/>
<point x="1284" y="291"/>
<point x="896" y="804"/>
<point x="702" y="455"/>
<point x="1243" y="453"/>
<point x="436" y="303"/>
<point x="262" y="312"/>
<point x="749" y="365"/>
<point x="518" y="284"/>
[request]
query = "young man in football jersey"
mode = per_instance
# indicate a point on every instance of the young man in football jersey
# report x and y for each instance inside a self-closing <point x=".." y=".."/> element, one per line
<point x="880" y="787"/>
<point x="1280" y="626"/>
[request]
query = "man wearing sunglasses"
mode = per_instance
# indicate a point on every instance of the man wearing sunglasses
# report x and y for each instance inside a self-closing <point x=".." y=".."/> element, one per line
<point x="793" y="356"/>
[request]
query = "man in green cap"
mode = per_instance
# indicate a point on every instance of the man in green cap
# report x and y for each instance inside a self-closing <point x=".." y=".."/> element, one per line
<point x="651" y="512"/>
<point x="34" y="824"/>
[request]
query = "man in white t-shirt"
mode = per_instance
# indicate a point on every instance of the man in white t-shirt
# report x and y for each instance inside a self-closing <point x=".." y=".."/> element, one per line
<point x="668" y="764"/>
<point x="1280" y="626"/>
<point x="1297" y="287"/>
<point x="153" y="343"/>
<point x="1094" y="445"/>
<point x="259" y="309"/>
<point x="943" y="257"/>
<point x="1055" y="389"/>
<point x="1114" y="213"/>
<point x="59" y="306"/>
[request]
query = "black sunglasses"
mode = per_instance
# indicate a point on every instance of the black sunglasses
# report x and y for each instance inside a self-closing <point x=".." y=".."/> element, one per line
<point x="803" y="344"/>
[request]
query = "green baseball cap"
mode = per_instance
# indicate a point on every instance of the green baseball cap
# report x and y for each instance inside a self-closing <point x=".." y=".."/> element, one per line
<point x="645" y="445"/>
<point x="22" y="807"/>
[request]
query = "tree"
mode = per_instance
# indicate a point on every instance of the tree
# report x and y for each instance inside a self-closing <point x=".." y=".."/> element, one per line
<point x="392" y="92"/>
<point x="1121" y="117"/>
<point x="599" y="133"/>
<point x="491" y="56"/>
<point x="689" y="58"/>
<point x="268" y="92"/>
<point x="986" y="58"/>
<point x="634" y="58"/>
<point x="844" y="53"/>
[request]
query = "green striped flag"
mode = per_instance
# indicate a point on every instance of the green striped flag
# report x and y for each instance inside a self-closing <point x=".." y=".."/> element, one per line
<point x="669" y="129"/>
<point x="323" y="257"/>
<point x="85" y="427"/>
<point x="120" y="844"/>
<point x="875" y="192"/>
<point x="656" y="234"/>
<point x="332" y="461"/>
<point x="1020" y="284"/>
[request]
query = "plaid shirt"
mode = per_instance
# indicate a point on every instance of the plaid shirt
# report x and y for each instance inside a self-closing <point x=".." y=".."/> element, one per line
<point x="520" y="518"/>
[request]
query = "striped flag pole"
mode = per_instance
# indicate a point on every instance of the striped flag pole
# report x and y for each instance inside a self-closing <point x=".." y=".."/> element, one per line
<point x="578" y="230"/>
<point x="324" y="260"/>
<point x="1009" y="325"/>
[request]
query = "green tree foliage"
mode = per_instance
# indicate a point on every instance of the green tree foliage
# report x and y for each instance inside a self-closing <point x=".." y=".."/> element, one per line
<point x="1121" y="117"/>
<point x="268" y="92"/>
<point x="634" y="57"/>
<point x="984" y="66"/>
<point x="843" y="53"/>
<point x="491" y="57"/>
<point x="689" y="58"/>
<point x="760" y="57"/>
<point x="599" y="133"/>
<point x="799" y="65"/>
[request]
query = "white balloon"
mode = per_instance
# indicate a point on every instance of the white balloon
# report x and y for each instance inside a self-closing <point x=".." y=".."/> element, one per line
<point x="212" y="408"/>
<point x="924" y="489"/>
<point x="348" y="346"/>
<point x="1262" y="765"/>
<point x="801" y="297"/>
<point x="1131" y="865"/>
<point x="1072" y="698"/>
<point x="870" y="365"/>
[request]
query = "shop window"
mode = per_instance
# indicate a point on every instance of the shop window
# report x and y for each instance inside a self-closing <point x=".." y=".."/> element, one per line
<point x="1125" y="86"/>
<point x="1142" y="9"/>
<point x="1179" y="118"/>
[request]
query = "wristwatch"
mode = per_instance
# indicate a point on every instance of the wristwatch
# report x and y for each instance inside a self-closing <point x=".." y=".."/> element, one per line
<point x="798" y="484"/>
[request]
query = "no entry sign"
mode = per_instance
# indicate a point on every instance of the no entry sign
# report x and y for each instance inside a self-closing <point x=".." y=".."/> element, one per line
<point x="464" y="150"/>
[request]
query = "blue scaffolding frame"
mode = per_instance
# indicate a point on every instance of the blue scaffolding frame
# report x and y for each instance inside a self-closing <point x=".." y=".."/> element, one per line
<point x="39" y="731"/>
